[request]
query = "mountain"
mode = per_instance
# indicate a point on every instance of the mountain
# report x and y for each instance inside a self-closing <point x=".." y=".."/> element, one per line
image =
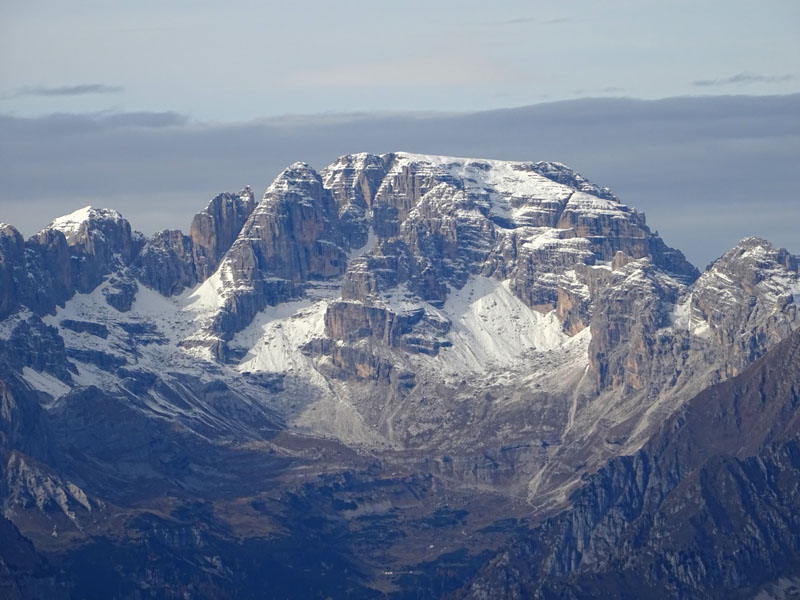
<point x="708" y="508"/>
<point x="402" y="362"/>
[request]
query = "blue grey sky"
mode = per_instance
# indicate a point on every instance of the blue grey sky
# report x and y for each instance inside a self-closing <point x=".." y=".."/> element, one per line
<point x="238" y="60"/>
<point x="688" y="110"/>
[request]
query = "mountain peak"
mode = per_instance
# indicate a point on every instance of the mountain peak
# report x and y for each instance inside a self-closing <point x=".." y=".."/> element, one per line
<point x="8" y="229"/>
<point x="759" y="253"/>
<point x="70" y="225"/>
<point x="561" y="173"/>
<point x="298" y="170"/>
<point x="750" y="246"/>
<point x="297" y="177"/>
<point x="247" y="194"/>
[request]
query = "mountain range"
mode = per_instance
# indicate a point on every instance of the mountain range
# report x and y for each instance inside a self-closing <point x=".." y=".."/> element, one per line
<point x="402" y="376"/>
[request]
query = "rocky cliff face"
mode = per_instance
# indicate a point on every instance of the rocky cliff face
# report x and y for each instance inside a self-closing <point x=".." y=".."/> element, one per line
<point x="465" y="339"/>
<point x="708" y="508"/>
<point x="746" y="301"/>
<point x="170" y="261"/>
<point x="75" y="253"/>
<point x="403" y="254"/>
<point x="23" y="572"/>
<point x="12" y="265"/>
<point x="36" y="274"/>
<point x="215" y="229"/>
<point x="423" y="226"/>
<point x="167" y="262"/>
<point x="293" y="237"/>
<point x="100" y="242"/>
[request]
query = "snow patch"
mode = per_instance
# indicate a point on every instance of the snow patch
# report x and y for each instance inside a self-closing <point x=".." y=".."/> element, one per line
<point x="369" y="246"/>
<point x="493" y="328"/>
<point x="275" y="337"/>
<point x="679" y="318"/>
<point x="169" y="324"/>
<point x="208" y="296"/>
<point x="513" y="188"/>
<point x="44" y="382"/>
<point x="8" y="324"/>
<point x="586" y="203"/>
<point x="544" y="237"/>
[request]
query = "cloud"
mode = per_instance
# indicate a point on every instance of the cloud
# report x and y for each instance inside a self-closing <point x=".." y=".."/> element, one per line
<point x="81" y="89"/>
<point x="707" y="171"/>
<point x="609" y="89"/>
<point x="431" y="71"/>
<point x="142" y="119"/>
<point x="742" y="79"/>
<point x="61" y="125"/>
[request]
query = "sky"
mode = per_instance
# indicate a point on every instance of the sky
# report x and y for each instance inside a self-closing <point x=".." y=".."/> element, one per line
<point x="153" y="107"/>
<point x="238" y="60"/>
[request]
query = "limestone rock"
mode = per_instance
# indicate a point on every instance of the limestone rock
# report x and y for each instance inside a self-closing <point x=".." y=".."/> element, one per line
<point x="630" y="309"/>
<point x="12" y="265"/>
<point x="33" y="344"/>
<point x="216" y="227"/>
<point x="708" y="508"/>
<point x="294" y="236"/>
<point x="120" y="292"/>
<point x="49" y="253"/>
<point x="167" y="262"/>
<point x="458" y="340"/>
<point x="100" y="242"/>
<point x="746" y="301"/>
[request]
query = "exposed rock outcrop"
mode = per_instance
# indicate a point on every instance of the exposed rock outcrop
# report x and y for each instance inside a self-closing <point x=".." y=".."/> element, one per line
<point x="746" y="301"/>
<point x="167" y="262"/>
<point x="49" y="254"/>
<point x="33" y="344"/>
<point x="74" y="253"/>
<point x="631" y="309"/>
<point x="12" y="267"/>
<point x="100" y="242"/>
<point x="708" y="508"/>
<point x="170" y="261"/>
<point x="36" y="274"/>
<point x="293" y="237"/>
<point x="294" y="234"/>
<point x="216" y="227"/>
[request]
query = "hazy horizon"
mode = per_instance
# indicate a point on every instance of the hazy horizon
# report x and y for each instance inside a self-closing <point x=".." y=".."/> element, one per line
<point x="688" y="111"/>
<point x="707" y="171"/>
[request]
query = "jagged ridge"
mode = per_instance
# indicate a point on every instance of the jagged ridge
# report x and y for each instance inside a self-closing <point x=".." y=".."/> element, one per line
<point x="486" y="328"/>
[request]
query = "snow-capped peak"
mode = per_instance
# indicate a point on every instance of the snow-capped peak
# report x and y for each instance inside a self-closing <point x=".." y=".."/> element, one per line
<point x="70" y="225"/>
<point x="293" y="178"/>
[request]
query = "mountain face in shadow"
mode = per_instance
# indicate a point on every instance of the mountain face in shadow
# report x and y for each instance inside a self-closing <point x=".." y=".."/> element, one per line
<point x="709" y="508"/>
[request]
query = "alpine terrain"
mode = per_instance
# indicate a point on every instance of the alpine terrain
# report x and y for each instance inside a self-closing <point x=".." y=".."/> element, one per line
<point x="402" y="376"/>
